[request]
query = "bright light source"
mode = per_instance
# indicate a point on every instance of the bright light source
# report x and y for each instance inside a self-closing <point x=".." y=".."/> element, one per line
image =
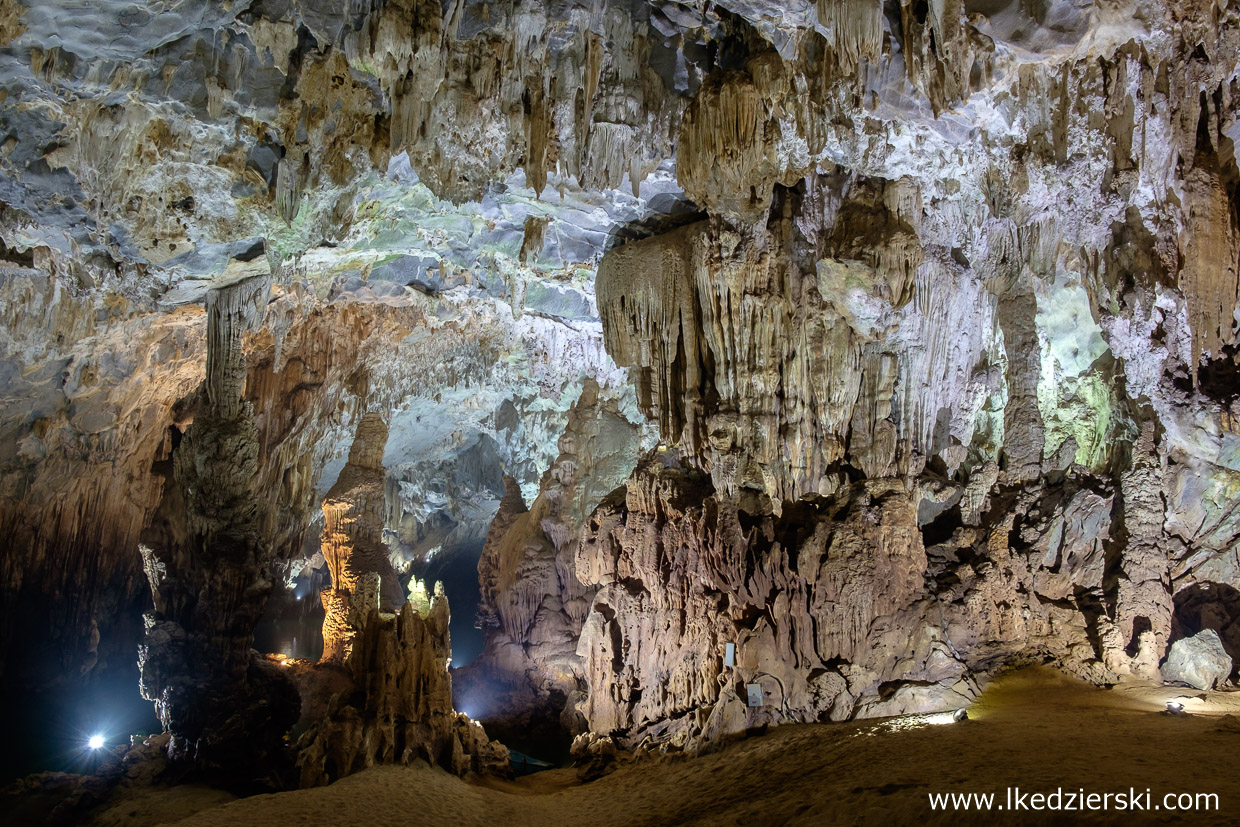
<point x="95" y="742"/>
<point x="931" y="719"/>
<point x="1175" y="707"/>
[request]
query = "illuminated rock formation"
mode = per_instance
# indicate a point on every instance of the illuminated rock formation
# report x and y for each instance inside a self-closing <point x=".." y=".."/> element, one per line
<point x="363" y="579"/>
<point x="1199" y="661"/>
<point x="533" y="602"/>
<point x="401" y="708"/>
<point x="769" y="376"/>
<point x="933" y="306"/>
<point x="395" y="651"/>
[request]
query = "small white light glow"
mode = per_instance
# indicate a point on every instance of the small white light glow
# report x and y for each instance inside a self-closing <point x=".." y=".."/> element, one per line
<point x="95" y="742"/>
<point x="1175" y="707"/>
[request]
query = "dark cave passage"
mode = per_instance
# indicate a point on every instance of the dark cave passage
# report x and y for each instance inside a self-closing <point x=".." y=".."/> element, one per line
<point x="457" y="568"/>
<point x="49" y="730"/>
<point x="292" y="625"/>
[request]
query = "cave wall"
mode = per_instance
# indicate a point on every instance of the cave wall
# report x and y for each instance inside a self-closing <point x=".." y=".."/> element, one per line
<point x="932" y="307"/>
<point x="940" y="348"/>
<point x="237" y="137"/>
<point x="533" y="599"/>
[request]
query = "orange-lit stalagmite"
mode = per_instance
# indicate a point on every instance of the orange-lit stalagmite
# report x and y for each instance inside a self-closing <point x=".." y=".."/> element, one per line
<point x="362" y="576"/>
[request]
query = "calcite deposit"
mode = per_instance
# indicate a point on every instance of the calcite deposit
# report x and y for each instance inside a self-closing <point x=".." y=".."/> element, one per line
<point x="208" y="565"/>
<point x="394" y="704"/>
<point x="534" y="600"/>
<point x="792" y="361"/>
<point x="399" y="708"/>
<point x="362" y="576"/>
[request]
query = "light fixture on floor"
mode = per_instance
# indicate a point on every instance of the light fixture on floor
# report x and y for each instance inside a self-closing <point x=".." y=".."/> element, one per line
<point x="1175" y="708"/>
<point x="926" y="719"/>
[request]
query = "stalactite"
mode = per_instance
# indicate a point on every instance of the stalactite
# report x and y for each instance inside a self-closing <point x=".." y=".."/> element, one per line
<point x="856" y="26"/>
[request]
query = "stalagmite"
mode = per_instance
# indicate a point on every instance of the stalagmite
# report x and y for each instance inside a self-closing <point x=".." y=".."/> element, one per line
<point x="401" y="709"/>
<point x="363" y="579"/>
<point x="208" y="567"/>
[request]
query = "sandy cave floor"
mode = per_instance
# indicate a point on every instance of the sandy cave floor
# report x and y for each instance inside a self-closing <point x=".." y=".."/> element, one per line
<point x="1034" y="728"/>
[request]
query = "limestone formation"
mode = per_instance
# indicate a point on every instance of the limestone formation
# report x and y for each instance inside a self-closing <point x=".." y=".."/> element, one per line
<point x="1199" y="661"/>
<point x="362" y="576"/>
<point x="209" y="571"/>
<point x="930" y="307"/>
<point x="770" y="377"/>
<point x="397" y="706"/>
<point x="835" y="607"/>
<point x="533" y="601"/>
<point x="400" y="709"/>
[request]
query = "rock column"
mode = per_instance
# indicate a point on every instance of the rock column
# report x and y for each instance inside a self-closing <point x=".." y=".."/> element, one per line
<point x="207" y="564"/>
<point x="362" y="575"/>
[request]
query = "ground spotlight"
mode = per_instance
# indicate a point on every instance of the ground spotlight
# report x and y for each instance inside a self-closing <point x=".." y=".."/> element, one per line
<point x="916" y="721"/>
<point x="1175" y="707"/>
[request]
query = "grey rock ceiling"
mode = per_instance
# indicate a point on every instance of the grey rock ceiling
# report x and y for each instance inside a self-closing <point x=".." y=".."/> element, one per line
<point x="931" y="306"/>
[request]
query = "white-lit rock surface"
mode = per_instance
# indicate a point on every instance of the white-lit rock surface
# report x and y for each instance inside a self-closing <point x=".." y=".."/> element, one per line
<point x="1199" y="661"/>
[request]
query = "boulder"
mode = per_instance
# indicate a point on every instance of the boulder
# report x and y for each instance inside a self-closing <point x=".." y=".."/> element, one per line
<point x="1199" y="661"/>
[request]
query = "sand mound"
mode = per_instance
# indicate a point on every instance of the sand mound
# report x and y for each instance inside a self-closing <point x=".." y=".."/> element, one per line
<point x="1034" y="729"/>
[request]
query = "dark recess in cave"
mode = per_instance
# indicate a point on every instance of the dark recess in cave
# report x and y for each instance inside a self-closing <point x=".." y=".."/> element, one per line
<point x="457" y="568"/>
<point x="1217" y="378"/>
<point x="51" y="732"/>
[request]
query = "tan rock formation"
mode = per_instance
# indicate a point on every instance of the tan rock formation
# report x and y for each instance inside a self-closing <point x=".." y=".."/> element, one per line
<point x="805" y="598"/>
<point x="400" y="709"/>
<point x="945" y="376"/>
<point x="363" y="579"/>
<point x="533" y="603"/>
<point x="835" y="608"/>
<point x="1210" y="277"/>
<point x="396" y="652"/>
<point x="767" y="379"/>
